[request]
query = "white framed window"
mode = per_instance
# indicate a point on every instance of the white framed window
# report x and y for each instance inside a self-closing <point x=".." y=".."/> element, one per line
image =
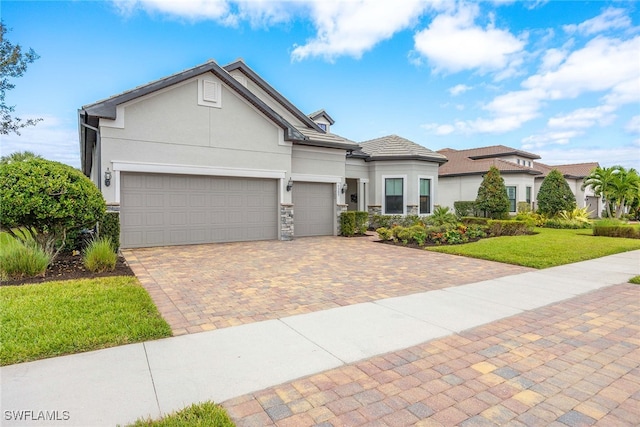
<point x="426" y="198"/>
<point x="394" y="188"/>
<point x="511" y="194"/>
<point x="322" y="126"/>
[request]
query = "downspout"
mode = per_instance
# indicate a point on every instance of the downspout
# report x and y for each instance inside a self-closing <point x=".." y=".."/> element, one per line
<point x="97" y="131"/>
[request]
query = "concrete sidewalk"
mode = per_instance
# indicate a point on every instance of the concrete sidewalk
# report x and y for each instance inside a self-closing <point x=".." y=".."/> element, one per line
<point x="121" y="384"/>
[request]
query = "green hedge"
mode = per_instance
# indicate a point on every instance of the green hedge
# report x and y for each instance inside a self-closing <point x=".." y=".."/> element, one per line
<point x="353" y="222"/>
<point x="474" y="220"/>
<point x="499" y="227"/>
<point x="616" y="230"/>
<point x="109" y="227"/>
<point x="389" y="221"/>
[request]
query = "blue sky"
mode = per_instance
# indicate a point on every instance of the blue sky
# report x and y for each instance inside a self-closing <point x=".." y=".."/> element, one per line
<point x="556" y="78"/>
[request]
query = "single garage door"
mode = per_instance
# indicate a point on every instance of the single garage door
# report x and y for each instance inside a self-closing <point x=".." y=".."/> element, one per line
<point x="313" y="209"/>
<point x="163" y="209"/>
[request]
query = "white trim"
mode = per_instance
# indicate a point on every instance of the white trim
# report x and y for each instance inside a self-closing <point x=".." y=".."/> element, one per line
<point x="384" y="193"/>
<point x="303" y="177"/>
<point x="432" y="195"/>
<point x="124" y="166"/>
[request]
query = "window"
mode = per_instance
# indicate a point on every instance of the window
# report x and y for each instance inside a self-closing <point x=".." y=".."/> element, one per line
<point x="425" y="196"/>
<point x="511" y="194"/>
<point x="322" y="126"/>
<point x="393" y="197"/>
<point x="528" y="194"/>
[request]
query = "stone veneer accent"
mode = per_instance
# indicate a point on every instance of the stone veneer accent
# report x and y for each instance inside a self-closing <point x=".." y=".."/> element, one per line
<point x="373" y="210"/>
<point x="286" y="221"/>
<point x="339" y="210"/>
<point x="412" y="209"/>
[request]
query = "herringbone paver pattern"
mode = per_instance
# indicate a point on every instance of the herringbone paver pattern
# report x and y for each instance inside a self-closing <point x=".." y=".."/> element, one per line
<point x="574" y="363"/>
<point x="205" y="287"/>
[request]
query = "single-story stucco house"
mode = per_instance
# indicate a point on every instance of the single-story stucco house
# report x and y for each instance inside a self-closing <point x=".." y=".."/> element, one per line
<point x="215" y="154"/>
<point x="461" y="176"/>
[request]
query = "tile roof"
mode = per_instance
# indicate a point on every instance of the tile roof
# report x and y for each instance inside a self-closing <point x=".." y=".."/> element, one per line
<point x="576" y="170"/>
<point x="495" y="151"/>
<point x="394" y="147"/>
<point x="325" y="139"/>
<point x="461" y="164"/>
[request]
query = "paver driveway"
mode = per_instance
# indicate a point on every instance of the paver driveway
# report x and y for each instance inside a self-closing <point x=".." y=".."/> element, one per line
<point x="205" y="287"/>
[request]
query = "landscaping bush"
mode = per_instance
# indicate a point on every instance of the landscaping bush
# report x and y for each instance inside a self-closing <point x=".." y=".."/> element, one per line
<point x="612" y="228"/>
<point x="99" y="255"/>
<point x="389" y="221"/>
<point x="109" y="227"/>
<point x="465" y="208"/>
<point x="441" y="216"/>
<point x="492" y="195"/>
<point x="474" y="220"/>
<point x="20" y="259"/>
<point x="509" y="228"/>
<point x="384" y="233"/>
<point x="555" y="195"/>
<point x="362" y="219"/>
<point x="348" y="223"/>
<point x="570" y="224"/>
<point x="524" y="207"/>
<point x="534" y="218"/>
<point x="45" y="200"/>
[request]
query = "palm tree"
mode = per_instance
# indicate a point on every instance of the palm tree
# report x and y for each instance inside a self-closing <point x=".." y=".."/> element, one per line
<point x="625" y="189"/>
<point x="601" y="181"/>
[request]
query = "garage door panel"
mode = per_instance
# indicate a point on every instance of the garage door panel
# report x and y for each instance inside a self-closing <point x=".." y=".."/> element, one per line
<point x="161" y="209"/>
<point x="313" y="209"/>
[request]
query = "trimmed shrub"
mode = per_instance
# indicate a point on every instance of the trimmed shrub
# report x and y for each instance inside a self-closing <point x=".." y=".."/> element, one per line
<point x="555" y="195"/>
<point x="22" y="259"/>
<point x="362" y="220"/>
<point x="509" y="228"/>
<point x="570" y="224"/>
<point x="535" y="219"/>
<point x="45" y="200"/>
<point x="348" y="223"/>
<point x="465" y="208"/>
<point x="384" y="233"/>
<point x="441" y="216"/>
<point x="474" y="220"/>
<point x="99" y="255"/>
<point x="524" y="207"/>
<point x="389" y="221"/>
<point x="109" y="227"/>
<point x="609" y="228"/>
<point x="492" y="195"/>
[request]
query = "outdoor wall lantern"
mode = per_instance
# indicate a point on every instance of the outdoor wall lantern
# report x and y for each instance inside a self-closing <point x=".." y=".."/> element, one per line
<point x="290" y="184"/>
<point x="107" y="178"/>
<point x="344" y="187"/>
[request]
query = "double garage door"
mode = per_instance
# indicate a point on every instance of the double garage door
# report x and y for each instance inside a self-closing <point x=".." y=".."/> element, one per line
<point x="165" y="209"/>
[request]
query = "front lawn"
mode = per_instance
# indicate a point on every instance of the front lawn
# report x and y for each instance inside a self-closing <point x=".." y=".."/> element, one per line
<point x="55" y="318"/>
<point x="206" y="414"/>
<point x="548" y="248"/>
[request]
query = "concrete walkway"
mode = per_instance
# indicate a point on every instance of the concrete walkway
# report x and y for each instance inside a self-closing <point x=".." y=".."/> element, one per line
<point x="121" y="384"/>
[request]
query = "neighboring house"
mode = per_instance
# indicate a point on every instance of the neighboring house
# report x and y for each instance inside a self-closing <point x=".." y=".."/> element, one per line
<point x="462" y="175"/>
<point x="215" y="154"/>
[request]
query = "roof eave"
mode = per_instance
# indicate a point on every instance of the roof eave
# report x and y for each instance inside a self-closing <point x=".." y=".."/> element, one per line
<point x="439" y="160"/>
<point x="326" y="144"/>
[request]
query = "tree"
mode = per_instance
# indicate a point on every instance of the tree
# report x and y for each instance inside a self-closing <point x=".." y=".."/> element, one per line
<point x="600" y="180"/>
<point x="43" y="200"/>
<point x="19" y="156"/>
<point x="13" y="64"/>
<point x="492" y="195"/>
<point x="555" y="195"/>
<point x="624" y="189"/>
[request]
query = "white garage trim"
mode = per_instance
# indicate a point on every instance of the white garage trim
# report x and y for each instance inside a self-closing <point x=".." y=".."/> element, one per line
<point x="124" y="166"/>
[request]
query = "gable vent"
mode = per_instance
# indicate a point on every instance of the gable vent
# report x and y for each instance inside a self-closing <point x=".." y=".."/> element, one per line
<point x="211" y="91"/>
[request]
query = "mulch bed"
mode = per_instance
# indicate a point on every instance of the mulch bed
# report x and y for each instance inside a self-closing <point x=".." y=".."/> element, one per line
<point x="67" y="266"/>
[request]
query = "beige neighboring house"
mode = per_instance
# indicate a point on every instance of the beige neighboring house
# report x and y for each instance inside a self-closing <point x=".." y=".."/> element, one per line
<point x="216" y="154"/>
<point x="461" y="176"/>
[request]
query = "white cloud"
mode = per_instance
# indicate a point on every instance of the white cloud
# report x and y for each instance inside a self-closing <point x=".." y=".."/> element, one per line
<point x="552" y="59"/>
<point x="196" y="10"/>
<point x="583" y="118"/>
<point x="453" y="43"/>
<point x="549" y="138"/>
<point x="458" y="89"/>
<point x="626" y="156"/>
<point x="612" y="18"/>
<point x="353" y="27"/>
<point x="439" y="130"/>
<point x="600" y="65"/>
<point x="634" y="125"/>
<point x="52" y="138"/>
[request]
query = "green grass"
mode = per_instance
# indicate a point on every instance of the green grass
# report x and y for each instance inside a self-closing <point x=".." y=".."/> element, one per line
<point x="635" y="280"/>
<point x="548" y="248"/>
<point x="55" y="318"/>
<point x="206" y="414"/>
